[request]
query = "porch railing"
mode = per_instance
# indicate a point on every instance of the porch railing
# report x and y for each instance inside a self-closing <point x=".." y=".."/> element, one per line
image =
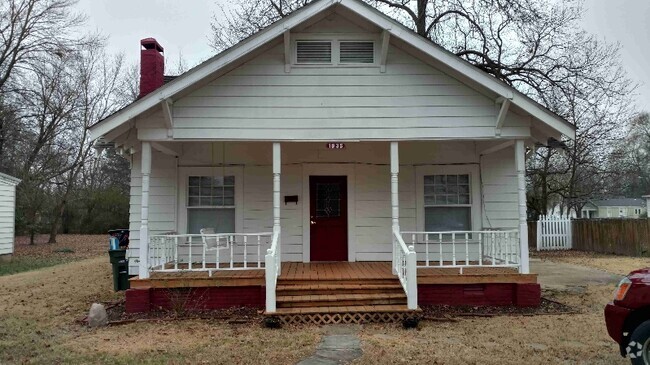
<point x="463" y="249"/>
<point x="273" y="266"/>
<point x="207" y="252"/>
<point x="405" y="267"/>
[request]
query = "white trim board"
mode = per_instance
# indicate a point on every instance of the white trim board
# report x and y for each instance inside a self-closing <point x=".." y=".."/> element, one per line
<point x="316" y="169"/>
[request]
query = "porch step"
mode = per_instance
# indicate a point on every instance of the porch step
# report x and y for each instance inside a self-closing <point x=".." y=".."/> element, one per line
<point x="339" y="300"/>
<point x="322" y="289"/>
<point x="337" y="282"/>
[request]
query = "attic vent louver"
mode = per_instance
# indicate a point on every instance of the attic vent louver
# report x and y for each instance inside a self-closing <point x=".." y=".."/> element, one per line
<point x="357" y="52"/>
<point x="314" y="52"/>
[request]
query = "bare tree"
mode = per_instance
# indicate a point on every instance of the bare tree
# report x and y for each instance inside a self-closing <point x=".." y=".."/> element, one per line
<point x="98" y="86"/>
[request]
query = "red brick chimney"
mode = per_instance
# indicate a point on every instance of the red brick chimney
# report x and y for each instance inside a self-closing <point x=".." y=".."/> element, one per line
<point x="152" y="66"/>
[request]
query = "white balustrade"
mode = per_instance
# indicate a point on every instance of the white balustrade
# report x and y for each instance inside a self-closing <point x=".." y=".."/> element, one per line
<point x="207" y="252"/>
<point x="273" y="267"/>
<point x="461" y="249"/>
<point x="405" y="266"/>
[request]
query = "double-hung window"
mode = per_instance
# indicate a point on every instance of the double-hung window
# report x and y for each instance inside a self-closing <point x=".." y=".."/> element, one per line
<point x="211" y="203"/>
<point x="447" y="203"/>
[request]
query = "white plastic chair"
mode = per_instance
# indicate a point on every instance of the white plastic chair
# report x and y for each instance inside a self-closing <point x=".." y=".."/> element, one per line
<point x="211" y="242"/>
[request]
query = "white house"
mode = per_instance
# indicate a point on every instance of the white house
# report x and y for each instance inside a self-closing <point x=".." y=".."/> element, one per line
<point x="327" y="137"/>
<point x="615" y="208"/>
<point x="7" y="214"/>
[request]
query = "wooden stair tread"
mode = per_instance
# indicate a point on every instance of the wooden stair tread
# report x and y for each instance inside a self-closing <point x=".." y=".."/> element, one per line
<point x="393" y="308"/>
<point x="344" y="286"/>
<point x="338" y="297"/>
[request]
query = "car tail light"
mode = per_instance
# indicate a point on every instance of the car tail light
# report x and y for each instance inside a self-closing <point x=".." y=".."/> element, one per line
<point x="622" y="288"/>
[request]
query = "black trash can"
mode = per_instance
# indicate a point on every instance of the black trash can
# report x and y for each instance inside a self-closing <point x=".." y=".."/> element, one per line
<point x="120" y="269"/>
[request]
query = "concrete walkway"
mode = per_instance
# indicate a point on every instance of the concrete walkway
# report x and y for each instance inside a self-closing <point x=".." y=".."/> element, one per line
<point x="340" y="345"/>
<point x="569" y="277"/>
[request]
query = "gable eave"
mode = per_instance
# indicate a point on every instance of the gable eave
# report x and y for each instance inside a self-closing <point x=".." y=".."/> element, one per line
<point x="233" y="54"/>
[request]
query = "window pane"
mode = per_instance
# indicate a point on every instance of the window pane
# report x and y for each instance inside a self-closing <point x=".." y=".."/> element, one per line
<point x="194" y="181"/>
<point x="328" y="200"/>
<point x="209" y="191"/>
<point x="222" y="220"/>
<point x="229" y="191"/>
<point x="463" y="199"/>
<point x="447" y="189"/>
<point x="440" y="219"/>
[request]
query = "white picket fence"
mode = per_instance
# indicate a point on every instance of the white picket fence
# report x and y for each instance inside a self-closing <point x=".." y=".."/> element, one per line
<point x="554" y="233"/>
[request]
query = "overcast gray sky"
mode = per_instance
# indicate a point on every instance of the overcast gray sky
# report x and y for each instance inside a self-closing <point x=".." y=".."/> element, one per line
<point x="183" y="27"/>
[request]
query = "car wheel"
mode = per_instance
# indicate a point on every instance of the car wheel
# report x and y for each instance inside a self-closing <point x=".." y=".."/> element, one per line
<point x="638" y="349"/>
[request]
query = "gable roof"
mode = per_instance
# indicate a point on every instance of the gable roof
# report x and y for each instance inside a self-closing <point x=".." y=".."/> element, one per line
<point x="454" y="64"/>
<point x="621" y="202"/>
<point x="9" y="180"/>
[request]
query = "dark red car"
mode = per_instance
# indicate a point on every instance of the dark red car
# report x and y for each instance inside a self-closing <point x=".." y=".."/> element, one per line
<point x="628" y="316"/>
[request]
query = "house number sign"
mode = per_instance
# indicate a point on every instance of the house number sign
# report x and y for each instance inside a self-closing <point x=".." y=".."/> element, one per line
<point x="335" y="146"/>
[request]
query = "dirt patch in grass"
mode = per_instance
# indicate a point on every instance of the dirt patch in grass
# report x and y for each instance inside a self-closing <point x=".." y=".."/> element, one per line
<point x="614" y="264"/>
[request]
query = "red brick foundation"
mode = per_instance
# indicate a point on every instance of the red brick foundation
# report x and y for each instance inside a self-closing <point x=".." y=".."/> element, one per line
<point x="206" y="298"/>
<point x="521" y="295"/>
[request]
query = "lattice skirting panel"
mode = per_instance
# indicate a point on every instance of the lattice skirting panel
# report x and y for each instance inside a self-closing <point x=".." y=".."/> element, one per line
<point x="347" y="318"/>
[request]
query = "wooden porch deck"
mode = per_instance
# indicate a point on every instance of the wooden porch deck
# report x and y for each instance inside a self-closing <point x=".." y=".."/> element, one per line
<point x="354" y="272"/>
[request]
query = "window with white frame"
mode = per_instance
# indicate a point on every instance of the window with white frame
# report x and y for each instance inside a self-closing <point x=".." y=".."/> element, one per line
<point x="211" y="203"/>
<point x="447" y="203"/>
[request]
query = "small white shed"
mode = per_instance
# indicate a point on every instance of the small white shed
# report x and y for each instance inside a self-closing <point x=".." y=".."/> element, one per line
<point x="7" y="213"/>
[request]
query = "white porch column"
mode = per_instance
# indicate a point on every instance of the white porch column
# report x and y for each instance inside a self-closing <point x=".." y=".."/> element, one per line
<point x="144" y="210"/>
<point x="394" y="195"/>
<point x="520" y="164"/>
<point x="277" y="167"/>
<point x="394" y="181"/>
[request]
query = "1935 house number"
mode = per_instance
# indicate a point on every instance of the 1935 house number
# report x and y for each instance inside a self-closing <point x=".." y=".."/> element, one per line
<point x="335" y="146"/>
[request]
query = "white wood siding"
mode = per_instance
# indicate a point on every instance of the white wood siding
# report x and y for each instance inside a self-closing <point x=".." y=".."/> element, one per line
<point x="500" y="190"/>
<point x="370" y="161"/>
<point x="7" y="217"/>
<point x="260" y="101"/>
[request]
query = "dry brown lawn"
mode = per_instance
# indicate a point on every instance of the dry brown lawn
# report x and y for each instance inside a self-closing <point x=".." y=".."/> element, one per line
<point x="619" y="265"/>
<point x="39" y="309"/>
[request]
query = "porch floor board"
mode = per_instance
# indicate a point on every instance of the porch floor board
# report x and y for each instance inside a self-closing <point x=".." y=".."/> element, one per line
<point x="324" y="273"/>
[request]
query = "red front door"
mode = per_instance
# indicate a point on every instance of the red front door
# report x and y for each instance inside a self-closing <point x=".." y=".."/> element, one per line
<point x="328" y="202"/>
